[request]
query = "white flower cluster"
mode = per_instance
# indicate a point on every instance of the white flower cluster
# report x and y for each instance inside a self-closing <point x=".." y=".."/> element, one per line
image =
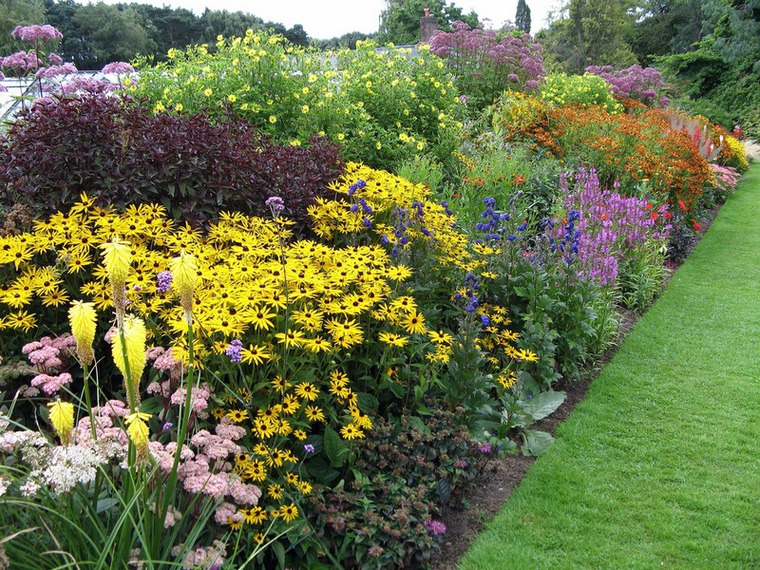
<point x="69" y="465"/>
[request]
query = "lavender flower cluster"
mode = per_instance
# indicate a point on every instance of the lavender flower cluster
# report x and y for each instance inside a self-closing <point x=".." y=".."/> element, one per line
<point x="633" y="82"/>
<point x="610" y="226"/>
<point x="481" y="53"/>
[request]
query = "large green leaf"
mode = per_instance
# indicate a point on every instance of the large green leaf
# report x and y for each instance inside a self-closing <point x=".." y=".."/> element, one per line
<point x="543" y="404"/>
<point x="536" y="442"/>
<point x="335" y="448"/>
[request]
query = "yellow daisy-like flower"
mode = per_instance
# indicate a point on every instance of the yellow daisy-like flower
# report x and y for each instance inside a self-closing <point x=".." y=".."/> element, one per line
<point x="255" y="354"/>
<point x="307" y="391"/>
<point x="237" y="416"/>
<point x="62" y="417"/>
<point x="351" y="431"/>
<point x="392" y="339"/>
<point x="440" y="337"/>
<point x="255" y="515"/>
<point x="288" y="513"/>
<point x="83" y="319"/>
<point x="414" y="323"/>
<point x="315" y="414"/>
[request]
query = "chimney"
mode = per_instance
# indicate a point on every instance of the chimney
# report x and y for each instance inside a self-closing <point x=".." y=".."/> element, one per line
<point x="428" y="25"/>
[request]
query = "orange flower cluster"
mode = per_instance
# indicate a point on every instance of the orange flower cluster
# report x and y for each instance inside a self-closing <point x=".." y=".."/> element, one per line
<point x="626" y="148"/>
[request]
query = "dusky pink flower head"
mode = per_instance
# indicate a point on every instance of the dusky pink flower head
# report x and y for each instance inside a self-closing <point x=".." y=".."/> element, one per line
<point x="118" y="68"/>
<point x="53" y="70"/>
<point x="22" y="61"/>
<point x="36" y="33"/>
<point x="634" y="82"/>
<point x="86" y="85"/>
<point x="55" y="59"/>
<point x="51" y="384"/>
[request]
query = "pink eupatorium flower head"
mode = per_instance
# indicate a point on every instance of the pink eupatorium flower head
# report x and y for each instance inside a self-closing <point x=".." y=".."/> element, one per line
<point x="36" y="33"/>
<point x="118" y="67"/>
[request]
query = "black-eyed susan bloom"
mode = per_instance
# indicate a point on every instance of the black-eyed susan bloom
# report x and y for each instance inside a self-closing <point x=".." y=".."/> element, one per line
<point x="288" y="513"/>
<point x="351" y="431"/>
<point x="307" y="391"/>
<point x="414" y="323"/>
<point x="315" y="414"/>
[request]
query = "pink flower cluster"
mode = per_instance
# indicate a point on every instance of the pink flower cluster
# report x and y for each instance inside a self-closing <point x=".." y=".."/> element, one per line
<point x="117" y="68"/>
<point x="36" y="33"/>
<point x="203" y="558"/>
<point x="509" y="61"/>
<point x="53" y="70"/>
<point x="725" y="178"/>
<point x="87" y="85"/>
<point x="22" y="61"/>
<point x="611" y="225"/>
<point x="50" y="356"/>
<point x="208" y="470"/>
<point x="634" y="82"/>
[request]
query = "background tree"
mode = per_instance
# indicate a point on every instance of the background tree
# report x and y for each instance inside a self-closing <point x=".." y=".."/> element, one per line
<point x="400" y="21"/>
<point x="222" y="22"/>
<point x="347" y="41"/>
<point x="14" y="13"/>
<point x="108" y="34"/>
<point x="591" y="32"/>
<point x="522" y="18"/>
<point x="169" y="27"/>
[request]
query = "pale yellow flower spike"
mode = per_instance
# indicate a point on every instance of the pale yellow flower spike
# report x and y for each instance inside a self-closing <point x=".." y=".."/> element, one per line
<point x="185" y="277"/>
<point x="62" y="418"/>
<point x="137" y="428"/>
<point x="117" y="257"/>
<point x="82" y="319"/>
<point x="134" y="346"/>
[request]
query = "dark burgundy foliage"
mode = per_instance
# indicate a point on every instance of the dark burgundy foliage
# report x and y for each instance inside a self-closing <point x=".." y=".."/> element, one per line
<point x="120" y="153"/>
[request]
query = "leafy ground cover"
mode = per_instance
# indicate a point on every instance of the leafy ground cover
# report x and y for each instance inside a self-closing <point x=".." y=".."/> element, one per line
<point x="657" y="466"/>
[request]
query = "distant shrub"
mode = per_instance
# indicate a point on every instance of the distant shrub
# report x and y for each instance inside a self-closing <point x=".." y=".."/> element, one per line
<point x="579" y="90"/>
<point x="485" y="64"/>
<point x="635" y="82"/>
<point x="382" y="108"/>
<point x="120" y="153"/>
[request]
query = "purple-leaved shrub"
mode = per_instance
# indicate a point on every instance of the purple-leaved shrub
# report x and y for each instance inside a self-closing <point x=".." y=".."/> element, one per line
<point x="120" y="153"/>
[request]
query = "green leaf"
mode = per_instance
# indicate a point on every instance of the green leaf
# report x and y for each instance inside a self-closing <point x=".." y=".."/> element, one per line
<point x="543" y="404"/>
<point x="279" y="552"/>
<point x="536" y="442"/>
<point x="367" y="402"/>
<point x="335" y="448"/>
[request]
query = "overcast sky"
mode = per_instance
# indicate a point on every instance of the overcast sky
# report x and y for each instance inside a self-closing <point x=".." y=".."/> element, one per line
<point x="323" y="19"/>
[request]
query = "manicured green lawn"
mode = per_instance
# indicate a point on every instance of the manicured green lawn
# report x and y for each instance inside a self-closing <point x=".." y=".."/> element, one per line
<point x="659" y="466"/>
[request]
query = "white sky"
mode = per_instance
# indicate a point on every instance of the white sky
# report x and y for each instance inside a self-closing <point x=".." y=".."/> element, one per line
<point x="323" y="19"/>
